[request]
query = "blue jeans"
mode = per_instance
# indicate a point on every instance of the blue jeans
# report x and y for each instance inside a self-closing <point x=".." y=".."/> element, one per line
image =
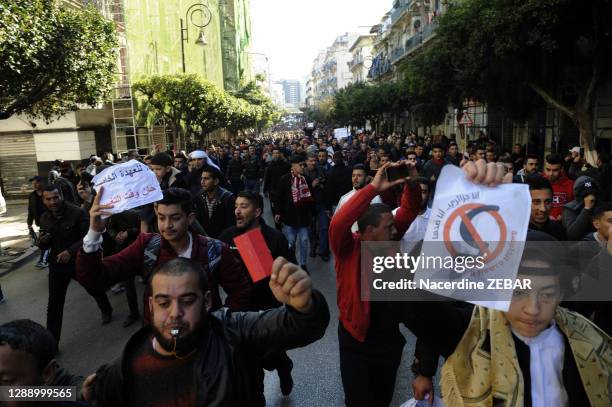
<point x="252" y="185"/>
<point x="319" y="227"/>
<point x="301" y="235"/>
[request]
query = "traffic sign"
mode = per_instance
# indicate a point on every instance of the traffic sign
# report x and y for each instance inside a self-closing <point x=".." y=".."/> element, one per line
<point x="466" y="120"/>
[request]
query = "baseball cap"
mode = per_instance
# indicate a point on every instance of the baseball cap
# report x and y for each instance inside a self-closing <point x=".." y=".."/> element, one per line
<point x="575" y="150"/>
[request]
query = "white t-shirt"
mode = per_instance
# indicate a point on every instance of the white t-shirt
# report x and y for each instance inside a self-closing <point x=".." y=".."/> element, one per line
<point x="348" y="196"/>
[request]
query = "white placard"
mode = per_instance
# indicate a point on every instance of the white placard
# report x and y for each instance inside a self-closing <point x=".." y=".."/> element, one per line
<point x="341" y="133"/>
<point x="480" y="221"/>
<point x="127" y="186"/>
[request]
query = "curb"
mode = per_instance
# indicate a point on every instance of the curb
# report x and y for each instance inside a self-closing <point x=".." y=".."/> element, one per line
<point x="19" y="260"/>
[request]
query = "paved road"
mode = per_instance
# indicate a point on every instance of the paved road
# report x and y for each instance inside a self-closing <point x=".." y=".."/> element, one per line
<point x="85" y="344"/>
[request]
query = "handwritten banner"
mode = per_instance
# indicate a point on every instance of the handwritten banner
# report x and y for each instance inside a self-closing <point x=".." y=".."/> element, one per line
<point x="127" y="186"/>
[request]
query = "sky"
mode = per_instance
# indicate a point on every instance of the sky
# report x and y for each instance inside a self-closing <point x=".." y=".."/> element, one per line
<point x="291" y="32"/>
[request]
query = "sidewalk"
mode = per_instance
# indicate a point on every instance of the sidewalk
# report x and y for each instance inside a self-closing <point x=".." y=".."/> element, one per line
<point x="14" y="238"/>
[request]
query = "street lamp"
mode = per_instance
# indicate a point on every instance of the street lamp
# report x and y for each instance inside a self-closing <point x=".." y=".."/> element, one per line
<point x="205" y="19"/>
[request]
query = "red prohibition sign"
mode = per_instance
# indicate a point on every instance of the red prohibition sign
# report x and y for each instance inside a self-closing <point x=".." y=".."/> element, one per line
<point x="462" y="212"/>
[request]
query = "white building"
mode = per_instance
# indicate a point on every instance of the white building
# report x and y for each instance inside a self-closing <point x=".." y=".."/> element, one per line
<point x="360" y="64"/>
<point x="330" y="71"/>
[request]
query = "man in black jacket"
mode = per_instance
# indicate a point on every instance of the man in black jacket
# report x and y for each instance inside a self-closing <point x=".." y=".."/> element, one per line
<point x="273" y="173"/>
<point x="63" y="227"/>
<point x="35" y="210"/>
<point x="339" y="180"/>
<point x="214" y="206"/>
<point x="203" y="358"/>
<point x="249" y="211"/>
<point x="253" y="170"/>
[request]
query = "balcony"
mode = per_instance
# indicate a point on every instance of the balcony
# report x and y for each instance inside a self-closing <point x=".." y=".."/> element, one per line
<point x="399" y="11"/>
<point x="420" y="38"/>
<point x="397" y="54"/>
<point x="356" y="61"/>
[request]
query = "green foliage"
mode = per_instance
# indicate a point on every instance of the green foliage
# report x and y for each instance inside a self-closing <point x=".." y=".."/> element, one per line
<point x="190" y="104"/>
<point x="53" y="59"/>
<point x="518" y="54"/>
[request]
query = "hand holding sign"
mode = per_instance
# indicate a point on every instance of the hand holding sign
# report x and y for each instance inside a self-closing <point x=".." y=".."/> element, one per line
<point x="126" y="186"/>
<point x="96" y="223"/>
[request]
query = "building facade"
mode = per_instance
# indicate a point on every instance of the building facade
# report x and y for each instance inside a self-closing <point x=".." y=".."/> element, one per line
<point x="293" y="92"/>
<point x="149" y="36"/>
<point x="330" y="71"/>
<point x="361" y="62"/>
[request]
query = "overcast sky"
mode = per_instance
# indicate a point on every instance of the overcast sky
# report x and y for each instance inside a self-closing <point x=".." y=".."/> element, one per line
<point x="291" y="32"/>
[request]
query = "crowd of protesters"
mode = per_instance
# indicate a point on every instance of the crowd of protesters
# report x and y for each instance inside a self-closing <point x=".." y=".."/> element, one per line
<point x="327" y="196"/>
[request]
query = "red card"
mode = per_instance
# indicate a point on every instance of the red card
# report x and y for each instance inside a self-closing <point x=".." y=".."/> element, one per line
<point x="255" y="254"/>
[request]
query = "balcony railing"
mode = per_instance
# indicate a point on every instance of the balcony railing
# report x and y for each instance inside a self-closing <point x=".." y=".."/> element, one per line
<point x="400" y="10"/>
<point x="396" y="54"/>
<point x="420" y="38"/>
<point x="357" y="60"/>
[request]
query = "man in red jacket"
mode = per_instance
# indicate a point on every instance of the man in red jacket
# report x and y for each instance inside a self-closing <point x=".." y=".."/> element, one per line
<point x="563" y="187"/>
<point x="368" y="334"/>
<point x="174" y="215"/>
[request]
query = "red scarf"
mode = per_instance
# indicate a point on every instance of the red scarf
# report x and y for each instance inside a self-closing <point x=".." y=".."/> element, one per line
<point x="299" y="190"/>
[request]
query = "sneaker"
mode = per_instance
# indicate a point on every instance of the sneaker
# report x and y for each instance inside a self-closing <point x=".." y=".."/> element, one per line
<point x="117" y="288"/>
<point x="41" y="265"/>
<point x="286" y="381"/>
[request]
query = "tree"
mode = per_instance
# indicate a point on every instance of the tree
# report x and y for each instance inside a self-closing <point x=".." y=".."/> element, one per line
<point x="53" y="59"/>
<point x="188" y="103"/>
<point x="265" y="112"/>
<point x="516" y="54"/>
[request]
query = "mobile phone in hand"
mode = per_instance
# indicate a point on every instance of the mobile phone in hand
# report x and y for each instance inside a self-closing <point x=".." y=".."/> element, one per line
<point x="399" y="172"/>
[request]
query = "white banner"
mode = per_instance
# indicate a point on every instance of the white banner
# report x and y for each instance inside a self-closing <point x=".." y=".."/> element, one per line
<point x="341" y="133"/>
<point x="127" y="186"/>
<point x="476" y="220"/>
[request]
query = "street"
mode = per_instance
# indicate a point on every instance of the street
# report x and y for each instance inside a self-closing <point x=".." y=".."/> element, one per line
<point x="85" y="344"/>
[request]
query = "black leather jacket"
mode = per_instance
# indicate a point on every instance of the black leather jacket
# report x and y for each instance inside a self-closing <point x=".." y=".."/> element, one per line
<point x="67" y="230"/>
<point x="235" y="342"/>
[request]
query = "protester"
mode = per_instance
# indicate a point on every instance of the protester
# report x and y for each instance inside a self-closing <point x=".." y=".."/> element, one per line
<point x="577" y="213"/>
<point x="28" y="358"/>
<point x="166" y="174"/>
<point x="316" y="177"/>
<point x="253" y="170"/>
<point x="294" y="207"/>
<point x="214" y="206"/>
<point x="64" y="186"/>
<point x="35" y="210"/>
<point x="62" y="228"/>
<point x="530" y="167"/>
<point x="174" y="214"/>
<point x="249" y="211"/>
<point x="563" y="187"/>
<point x="235" y="173"/>
<point x="533" y="355"/>
<point x="541" y="206"/>
<point x="359" y="180"/>
<point x="272" y="174"/>
<point x="369" y="337"/>
<point x="339" y="180"/>
<point x="159" y="361"/>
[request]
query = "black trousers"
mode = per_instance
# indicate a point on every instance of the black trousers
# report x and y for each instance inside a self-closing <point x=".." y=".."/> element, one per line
<point x="59" y="279"/>
<point x="132" y="296"/>
<point x="368" y="369"/>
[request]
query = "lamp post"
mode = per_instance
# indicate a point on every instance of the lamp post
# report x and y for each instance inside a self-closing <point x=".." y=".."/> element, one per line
<point x="205" y="19"/>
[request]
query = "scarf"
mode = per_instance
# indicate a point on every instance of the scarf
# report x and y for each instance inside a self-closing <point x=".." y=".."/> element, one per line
<point x="472" y="377"/>
<point x="299" y="190"/>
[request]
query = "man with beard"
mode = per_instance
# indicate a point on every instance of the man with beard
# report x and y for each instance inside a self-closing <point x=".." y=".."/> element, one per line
<point x="193" y="357"/>
<point x="359" y="179"/>
<point x="62" y="227"/>
<point x="174" y="215"/>
<point x="249" y="211"/>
